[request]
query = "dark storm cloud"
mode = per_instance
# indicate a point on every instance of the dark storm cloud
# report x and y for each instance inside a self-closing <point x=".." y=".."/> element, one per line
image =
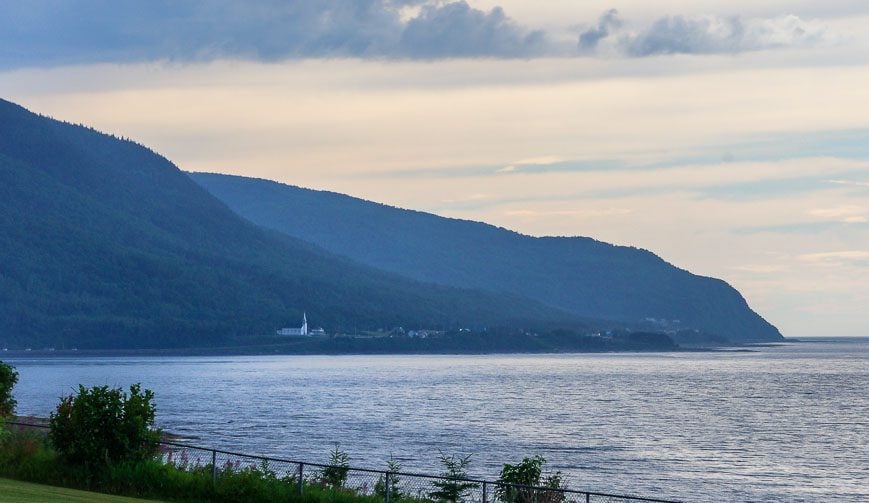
<point x="45" y="33"/>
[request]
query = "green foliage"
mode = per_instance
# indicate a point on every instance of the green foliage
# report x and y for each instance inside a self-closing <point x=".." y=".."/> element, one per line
<point x="251" y="484"/>
<point x="8" y="378"/>
<point x="155" y="479"/>
<point x="335" y="475"/>
<point x="451" y="487"/>
<point x="101" y="426"/>
<point x="28" y="456"/>
<point x="395" y="492"/>
<point x="515" y="482"/>
<point x="25" y="455"/>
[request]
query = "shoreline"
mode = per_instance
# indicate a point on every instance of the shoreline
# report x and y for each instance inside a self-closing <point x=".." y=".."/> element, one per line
<point x="42" y="424"/>
<point x="192" y="352"/>
<point x="452" y="344"/>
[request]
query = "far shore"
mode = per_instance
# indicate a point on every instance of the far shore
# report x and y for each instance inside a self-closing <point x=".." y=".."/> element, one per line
<point x="265" y="351"/>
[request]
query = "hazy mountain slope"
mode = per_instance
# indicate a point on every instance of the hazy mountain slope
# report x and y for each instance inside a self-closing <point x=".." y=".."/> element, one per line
<point x="104" y="243"/>
<point x="585" y="276"/>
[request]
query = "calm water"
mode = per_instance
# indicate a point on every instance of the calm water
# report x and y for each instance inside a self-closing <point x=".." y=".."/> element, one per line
<point x="787" y="423"/>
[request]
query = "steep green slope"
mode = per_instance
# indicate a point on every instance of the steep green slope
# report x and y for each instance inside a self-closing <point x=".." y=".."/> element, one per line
<point x="588" y="277"/>
<point x="104" y="243"/>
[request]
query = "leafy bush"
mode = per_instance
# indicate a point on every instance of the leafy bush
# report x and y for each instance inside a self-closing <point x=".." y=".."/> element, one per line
<point x="335" y="475"/>
<point x="515" y="482"/>
<point x="8" y="378"/>
<point x="100" y="426"/>
<point x="451" y="487"/>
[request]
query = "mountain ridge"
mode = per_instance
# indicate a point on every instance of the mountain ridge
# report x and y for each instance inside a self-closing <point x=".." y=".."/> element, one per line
<point x="106" y="244"/>
<point x="588" y="277"/>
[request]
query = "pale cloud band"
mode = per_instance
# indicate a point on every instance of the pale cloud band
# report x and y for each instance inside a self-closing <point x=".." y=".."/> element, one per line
<point x="46" y="33"/>
<point x="703" y="35"/>
<point x="837" y="257"/>
<point x="849" y="214"/>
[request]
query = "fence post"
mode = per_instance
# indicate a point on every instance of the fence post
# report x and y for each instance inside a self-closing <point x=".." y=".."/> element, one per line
<point x="587" y="497"/>
<point x="484" y="492"/>
<point x="386" y="486"/>
<point x="213" y="468"/>
<point x="301" y="478"/>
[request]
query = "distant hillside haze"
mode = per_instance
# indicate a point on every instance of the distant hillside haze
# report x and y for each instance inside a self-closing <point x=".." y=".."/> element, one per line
<point x="578" y="274"/>
<point x="106" y="244"/>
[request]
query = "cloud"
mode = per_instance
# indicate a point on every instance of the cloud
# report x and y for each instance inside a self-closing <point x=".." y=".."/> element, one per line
<point x="48" y="33"/>
<point x="837" y="257"/>
<point x="521" y="164"/>
<point x="803" y="228"/>
<point x="849" y="183"/>
<point x="475" y="197"/>
<point x="761" y="268"/>
<point x="609" y="21"/>
<point x="584" y="213"/>
<point x="456" y="29"/>
<point x="703" y="35"/>
<point x="851" y="214"/>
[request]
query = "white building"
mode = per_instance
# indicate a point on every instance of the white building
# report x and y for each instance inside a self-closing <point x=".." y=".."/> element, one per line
<point x="301" y="331"/>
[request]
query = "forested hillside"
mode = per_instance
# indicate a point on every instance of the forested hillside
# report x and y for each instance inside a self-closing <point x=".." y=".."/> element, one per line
<point x="587" y="277"/>
<point x="106" y="244"/>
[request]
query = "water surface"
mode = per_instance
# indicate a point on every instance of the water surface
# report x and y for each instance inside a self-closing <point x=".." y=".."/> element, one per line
<point x="784" y="423"/>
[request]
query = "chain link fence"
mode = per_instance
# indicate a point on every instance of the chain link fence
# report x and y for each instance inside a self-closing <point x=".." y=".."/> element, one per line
<point x="379" y="485"/>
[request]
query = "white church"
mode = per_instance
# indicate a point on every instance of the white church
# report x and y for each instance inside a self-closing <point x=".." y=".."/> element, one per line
<point x="302" y="331"/>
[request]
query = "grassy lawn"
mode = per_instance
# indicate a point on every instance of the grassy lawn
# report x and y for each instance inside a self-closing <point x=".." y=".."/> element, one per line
<point x="12" y="491"/>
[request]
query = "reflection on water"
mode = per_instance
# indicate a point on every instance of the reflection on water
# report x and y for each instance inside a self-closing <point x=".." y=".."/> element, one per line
<point x="782" y="423"/>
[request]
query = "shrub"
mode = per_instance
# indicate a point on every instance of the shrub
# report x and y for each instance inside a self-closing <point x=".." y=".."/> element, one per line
<point x="515" y="482"/>
<point x="451" y="487"/>
<point x="335" y="475"/>
<point x="156" y="479"/>
<point x="395" y="493"/>
<point x="8" y="378"/>
<point x="100" y="426"/>
<point x="24" y="455"/>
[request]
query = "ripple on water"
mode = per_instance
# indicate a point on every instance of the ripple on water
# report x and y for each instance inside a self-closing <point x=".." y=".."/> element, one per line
<point x="780" y="424"/>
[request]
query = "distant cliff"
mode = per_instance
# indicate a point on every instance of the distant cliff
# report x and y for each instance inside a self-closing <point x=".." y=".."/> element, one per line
<point x="579" y="274"/>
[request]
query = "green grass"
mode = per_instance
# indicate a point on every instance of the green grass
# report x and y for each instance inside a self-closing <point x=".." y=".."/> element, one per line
<point x="12" y="491"/>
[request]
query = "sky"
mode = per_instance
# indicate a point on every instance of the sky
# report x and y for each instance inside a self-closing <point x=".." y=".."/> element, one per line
<point x="730" y="138"/>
